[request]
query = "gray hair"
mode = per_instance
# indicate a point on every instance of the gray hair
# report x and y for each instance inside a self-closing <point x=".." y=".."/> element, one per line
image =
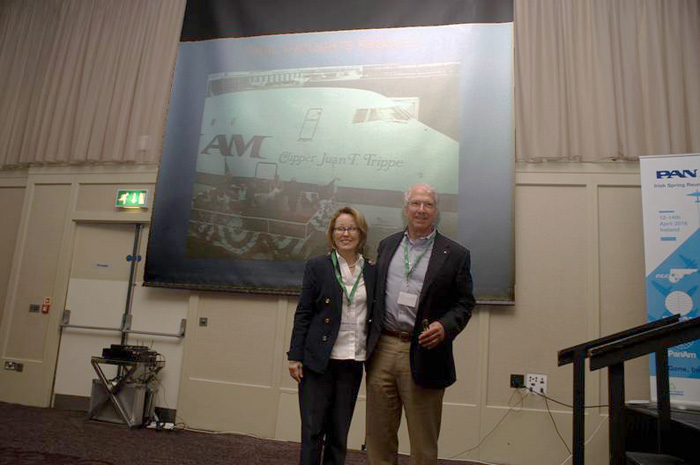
<point x="425" y="186"/>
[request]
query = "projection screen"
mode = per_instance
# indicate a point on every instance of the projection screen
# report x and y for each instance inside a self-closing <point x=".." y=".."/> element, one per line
<point x="268" y="135"/>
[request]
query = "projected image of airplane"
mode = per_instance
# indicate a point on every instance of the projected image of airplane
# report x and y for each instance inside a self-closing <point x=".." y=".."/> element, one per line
<point x="274" y="163"/>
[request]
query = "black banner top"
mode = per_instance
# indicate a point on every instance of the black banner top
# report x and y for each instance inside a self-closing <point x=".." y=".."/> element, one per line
<point x="215" y="19"/>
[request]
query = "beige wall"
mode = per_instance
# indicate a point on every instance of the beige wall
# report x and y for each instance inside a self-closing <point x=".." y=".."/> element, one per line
<point x="12" y="198"/>
<point x="42" y="255"/>
<point x="579" y="275"/>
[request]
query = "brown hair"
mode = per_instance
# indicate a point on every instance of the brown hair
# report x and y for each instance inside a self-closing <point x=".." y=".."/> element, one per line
<point x="360" y="222"/>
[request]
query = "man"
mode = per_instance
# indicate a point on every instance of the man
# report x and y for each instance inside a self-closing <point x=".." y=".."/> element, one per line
<point x="424" y="300"/>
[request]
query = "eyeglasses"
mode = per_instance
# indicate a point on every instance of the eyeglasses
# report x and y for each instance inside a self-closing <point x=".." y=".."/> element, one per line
<point x="416" y="204"/>
<point x="343" y="230"/>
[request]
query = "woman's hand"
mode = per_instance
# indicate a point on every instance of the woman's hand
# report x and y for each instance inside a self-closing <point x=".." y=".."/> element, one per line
<point x="296" y="370"/>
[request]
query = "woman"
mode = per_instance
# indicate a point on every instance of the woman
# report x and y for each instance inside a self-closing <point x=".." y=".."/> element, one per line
<point x="329" y="339"/>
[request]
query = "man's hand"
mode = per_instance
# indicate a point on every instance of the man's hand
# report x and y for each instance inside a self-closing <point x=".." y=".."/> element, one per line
<point x="432" y="336"/>
<point x="296" y="371"/>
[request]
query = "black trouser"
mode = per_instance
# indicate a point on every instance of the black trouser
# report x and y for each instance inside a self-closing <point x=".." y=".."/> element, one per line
<point x="327" y="402"/>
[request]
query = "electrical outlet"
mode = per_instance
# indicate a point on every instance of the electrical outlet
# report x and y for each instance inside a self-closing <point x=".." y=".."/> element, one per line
<point x="536" y="383"/>
<point x="517" y="381"/>
<point x="14" y="366"/>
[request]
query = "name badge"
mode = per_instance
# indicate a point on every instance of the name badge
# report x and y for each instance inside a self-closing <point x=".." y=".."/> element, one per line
<point x="409" y="300"/>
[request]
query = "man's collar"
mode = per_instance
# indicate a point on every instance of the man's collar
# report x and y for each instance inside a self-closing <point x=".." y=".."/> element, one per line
<point x="432" y="234"/>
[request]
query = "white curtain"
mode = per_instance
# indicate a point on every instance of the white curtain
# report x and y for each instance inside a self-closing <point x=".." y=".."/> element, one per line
<point x="85" y="81"/>
<point x="606" y="79"/>
<point x="88" y="81"/>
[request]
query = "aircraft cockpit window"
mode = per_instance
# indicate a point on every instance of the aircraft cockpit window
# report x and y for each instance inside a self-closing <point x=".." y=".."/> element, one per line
<point x="360" y="115"/>
<point x="394" y="114"/>
<point x="401" y="114"/>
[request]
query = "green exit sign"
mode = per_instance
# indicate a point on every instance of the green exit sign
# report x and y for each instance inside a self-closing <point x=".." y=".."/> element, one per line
<point x="131" y="198"/>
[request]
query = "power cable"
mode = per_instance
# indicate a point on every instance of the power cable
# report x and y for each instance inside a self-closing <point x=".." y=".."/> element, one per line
<point x="511" y="409"/>
<point x="519" y="404"/>
<point x="555" y="426"/>
<point x="603" y="421"/>
<point x="564" y="403"/>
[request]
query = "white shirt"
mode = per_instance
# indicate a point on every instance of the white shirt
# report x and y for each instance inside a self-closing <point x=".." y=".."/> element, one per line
<point x="351" y="343"/>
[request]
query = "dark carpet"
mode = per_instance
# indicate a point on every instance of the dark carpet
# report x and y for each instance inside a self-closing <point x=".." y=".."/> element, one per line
<point x="31" y="436"/>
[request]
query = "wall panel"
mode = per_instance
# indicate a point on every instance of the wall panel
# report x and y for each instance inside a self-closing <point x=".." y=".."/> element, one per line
<point x="11" y="200"/>
<point x="551" y="305"/>
<point x="237" y="344"/>
<point x="622" y="276"/>
<point x="42" y="246"/>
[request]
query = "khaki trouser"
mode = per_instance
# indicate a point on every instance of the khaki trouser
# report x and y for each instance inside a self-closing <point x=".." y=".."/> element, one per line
<point x="390" y="387"/>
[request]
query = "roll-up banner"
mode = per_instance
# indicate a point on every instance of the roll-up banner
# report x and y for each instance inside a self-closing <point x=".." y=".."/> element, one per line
<point x="671" y="206"/>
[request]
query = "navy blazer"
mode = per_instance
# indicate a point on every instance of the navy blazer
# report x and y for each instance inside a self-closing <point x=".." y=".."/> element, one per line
<point x="446" y="297"/>
<point x="318" y="314"/>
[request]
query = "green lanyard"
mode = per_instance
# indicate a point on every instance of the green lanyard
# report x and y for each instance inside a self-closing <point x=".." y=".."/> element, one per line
<point x="409" y="269"/>
<point x="339" y="278"/>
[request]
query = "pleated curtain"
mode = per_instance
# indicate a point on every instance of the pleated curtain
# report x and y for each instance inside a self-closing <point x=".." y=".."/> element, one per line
<point x="85" y="81"/>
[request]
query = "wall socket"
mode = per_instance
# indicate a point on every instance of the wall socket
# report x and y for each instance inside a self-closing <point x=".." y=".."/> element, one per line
<point x="536" y="383"/>
<point x="14" y="366"/>
<point x="517" y="381"/>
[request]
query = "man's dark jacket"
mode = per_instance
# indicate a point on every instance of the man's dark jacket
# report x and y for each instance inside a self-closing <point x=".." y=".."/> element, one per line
<point x="446" y="297"/>
<point x="318" y="314"/>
